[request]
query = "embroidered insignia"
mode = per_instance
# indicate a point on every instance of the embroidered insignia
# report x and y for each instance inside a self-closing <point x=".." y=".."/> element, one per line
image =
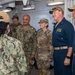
<point x="59" y="30"/>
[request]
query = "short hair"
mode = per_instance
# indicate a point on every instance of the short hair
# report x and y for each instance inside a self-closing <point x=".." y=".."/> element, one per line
<point x="15" y="16"/>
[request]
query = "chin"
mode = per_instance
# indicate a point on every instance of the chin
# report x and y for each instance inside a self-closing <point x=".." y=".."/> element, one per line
<point x="40" y="27"/>
<point x="25" y="24"/>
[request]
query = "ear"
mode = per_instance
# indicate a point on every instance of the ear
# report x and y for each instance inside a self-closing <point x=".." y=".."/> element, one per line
<point x="46" y="24"/>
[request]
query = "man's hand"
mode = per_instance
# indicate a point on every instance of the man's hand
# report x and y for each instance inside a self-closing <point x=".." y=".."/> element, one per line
<point x="32" y="56"/>
<point x="31" y="60"/>
<point x="66" y="62"/>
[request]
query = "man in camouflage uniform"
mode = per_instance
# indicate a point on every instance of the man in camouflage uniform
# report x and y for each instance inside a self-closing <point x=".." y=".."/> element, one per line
<point x="44" y="48"/>
<point x="13" y="26"/>
<point x="27" y="35"/>
<point x="12" y="58"/>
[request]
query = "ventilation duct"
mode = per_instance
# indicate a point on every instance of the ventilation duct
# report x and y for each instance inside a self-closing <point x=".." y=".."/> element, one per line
<point x="11" y="4"/>
<point x="7" y="7"/>
<point x="25" y="2"/>
<point x="6" y="1"/>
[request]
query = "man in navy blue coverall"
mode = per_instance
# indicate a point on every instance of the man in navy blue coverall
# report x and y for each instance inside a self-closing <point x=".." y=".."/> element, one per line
<point x="72" y="9"/>
<point x="62" y="40"/>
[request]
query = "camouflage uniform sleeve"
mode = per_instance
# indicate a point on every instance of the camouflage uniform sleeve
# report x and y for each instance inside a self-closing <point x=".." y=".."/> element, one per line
<point x="21" y="59"/>
<point x="50" y="45"/>
<point x="34" y="43"/>
<point x="18" y="32"/>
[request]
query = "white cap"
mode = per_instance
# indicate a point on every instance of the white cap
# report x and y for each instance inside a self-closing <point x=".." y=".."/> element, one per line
<point x="4" y="17"/>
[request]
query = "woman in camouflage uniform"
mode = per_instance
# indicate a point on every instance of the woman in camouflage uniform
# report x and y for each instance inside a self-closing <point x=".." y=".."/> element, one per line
<point x="44" y="48"/>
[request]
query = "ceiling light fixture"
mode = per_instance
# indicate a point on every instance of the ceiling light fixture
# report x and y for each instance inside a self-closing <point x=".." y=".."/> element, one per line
<point x="55" y="2"/>
<point x="30" y="7"/>
<point x="7" y="9"/>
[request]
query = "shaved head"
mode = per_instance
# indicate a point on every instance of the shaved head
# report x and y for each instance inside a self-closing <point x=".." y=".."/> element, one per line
<point x="26" y="19"/>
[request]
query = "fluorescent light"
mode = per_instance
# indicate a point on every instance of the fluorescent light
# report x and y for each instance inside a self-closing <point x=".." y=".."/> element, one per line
<point x="6" y="10"/>
<point x="29" y="7"/>
<point x="55" y="3"/>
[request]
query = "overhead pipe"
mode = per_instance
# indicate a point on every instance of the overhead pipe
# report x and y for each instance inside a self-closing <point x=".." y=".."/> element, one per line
<point x="25" y="2"/>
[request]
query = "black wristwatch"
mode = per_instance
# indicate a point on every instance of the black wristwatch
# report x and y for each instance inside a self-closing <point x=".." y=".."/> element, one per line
<point x="68" y="57"/>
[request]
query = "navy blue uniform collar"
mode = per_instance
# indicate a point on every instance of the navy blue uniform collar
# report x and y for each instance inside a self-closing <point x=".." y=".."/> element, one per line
<point x="60" y="22"/>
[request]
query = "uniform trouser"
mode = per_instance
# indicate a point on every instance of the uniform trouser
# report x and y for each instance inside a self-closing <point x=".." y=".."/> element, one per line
<point x="59" y="67"/>
<point x="42" y="71"/>
<point x="43" y="67"/>
<point x="29" y="66"/>
<point x="74" y="65"/>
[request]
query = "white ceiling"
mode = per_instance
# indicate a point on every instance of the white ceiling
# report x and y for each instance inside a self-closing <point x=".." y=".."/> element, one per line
<point x="7" y="1"/>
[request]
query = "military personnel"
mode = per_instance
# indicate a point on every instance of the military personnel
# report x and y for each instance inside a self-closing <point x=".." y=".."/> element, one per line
<point x="44" y="48"/>
<point x="62" y="40"/>
<point x="13" y="26"/>
<point x="72" y="9"/>
<point x="27" y="35"/>
<point x="12" y="58"/>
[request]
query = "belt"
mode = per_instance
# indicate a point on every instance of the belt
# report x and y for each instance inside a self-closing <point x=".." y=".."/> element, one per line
<point x="60" y="48"/>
